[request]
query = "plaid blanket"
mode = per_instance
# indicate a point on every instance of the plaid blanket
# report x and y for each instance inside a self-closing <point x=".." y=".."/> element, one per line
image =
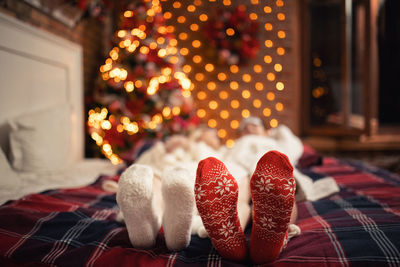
<point x="360" y="226"/>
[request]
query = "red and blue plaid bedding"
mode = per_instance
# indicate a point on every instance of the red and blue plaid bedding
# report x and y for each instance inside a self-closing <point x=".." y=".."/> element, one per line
<point x="360" y="226"/>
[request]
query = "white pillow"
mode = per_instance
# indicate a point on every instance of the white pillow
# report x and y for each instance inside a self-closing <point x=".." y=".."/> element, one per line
<point x="40" y="141"/>
<point x="8" y="178"/>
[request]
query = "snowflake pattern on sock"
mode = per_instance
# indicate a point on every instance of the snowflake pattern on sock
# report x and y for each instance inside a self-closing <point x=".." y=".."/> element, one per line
<point x="216" y="194"/>
<point x="272" y="189"/>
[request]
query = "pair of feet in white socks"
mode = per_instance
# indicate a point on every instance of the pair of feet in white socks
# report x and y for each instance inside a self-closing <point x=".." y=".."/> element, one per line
<point x="136" y="200"/>
<point x="216" y="194"/>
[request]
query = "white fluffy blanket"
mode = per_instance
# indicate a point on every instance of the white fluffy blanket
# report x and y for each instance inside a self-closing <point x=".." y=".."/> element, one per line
<point x="241" y="160"/>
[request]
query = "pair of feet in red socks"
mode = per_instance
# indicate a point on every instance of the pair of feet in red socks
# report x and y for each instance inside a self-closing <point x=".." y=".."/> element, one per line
<point x="272" y="191"/>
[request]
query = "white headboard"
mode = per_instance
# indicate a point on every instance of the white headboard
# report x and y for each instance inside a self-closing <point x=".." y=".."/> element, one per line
<point x="39" y="70"/>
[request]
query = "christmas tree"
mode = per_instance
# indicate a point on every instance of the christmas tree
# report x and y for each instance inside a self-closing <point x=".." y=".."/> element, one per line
<point x="142" y="92"/>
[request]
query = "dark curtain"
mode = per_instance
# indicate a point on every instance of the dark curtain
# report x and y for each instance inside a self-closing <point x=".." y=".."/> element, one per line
<point x="389" y="62"/>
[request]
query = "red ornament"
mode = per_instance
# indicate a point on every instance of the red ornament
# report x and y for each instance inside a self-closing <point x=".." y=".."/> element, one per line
<point x="242" y="43"/>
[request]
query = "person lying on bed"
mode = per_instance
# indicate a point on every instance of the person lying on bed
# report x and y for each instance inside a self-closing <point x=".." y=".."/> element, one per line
<point x="171" y="153"/>
<point x="272" y="186"/>
<point x="166" y="173"/>
<point x="221" y="201"/>
<point x="158" y="190"/>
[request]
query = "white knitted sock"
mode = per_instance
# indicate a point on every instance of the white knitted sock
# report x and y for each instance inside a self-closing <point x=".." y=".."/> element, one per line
<point x="178" y="193"/>
<point x="135" y="199"/>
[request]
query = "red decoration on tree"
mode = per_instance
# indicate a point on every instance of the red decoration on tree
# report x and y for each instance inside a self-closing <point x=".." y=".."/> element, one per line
<point x="233" y="35"/>
<point x="142" y="92"/>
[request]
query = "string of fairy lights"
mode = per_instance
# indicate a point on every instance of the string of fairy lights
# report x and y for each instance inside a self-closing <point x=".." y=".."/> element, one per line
<point x="227" y="94"/>
<point x="224" y="95"/>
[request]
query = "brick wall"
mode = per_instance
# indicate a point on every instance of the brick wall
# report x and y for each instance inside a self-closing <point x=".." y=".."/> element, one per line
<point x="278" y="25"/>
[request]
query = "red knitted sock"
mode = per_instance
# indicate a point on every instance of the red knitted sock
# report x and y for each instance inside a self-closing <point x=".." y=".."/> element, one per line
<point x="272" y="190"/>
<point x="216" y="194"/>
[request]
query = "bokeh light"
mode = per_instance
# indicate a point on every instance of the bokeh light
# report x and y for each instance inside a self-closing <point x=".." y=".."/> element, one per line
<point x="235" y="90"/>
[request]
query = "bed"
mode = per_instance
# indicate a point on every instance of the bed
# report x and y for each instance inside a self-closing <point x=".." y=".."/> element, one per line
<point x="359" y="226"/>
<point x="41" y="113"/>
<point x="64" y="217"/>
